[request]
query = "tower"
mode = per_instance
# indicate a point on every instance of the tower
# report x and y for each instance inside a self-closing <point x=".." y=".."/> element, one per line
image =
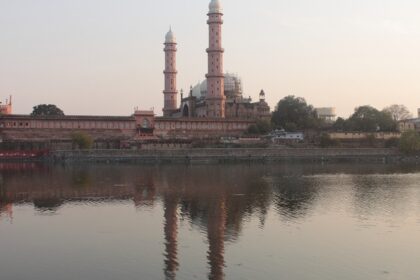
<point x="215" y="97"/>
<point x="170" y="92"/>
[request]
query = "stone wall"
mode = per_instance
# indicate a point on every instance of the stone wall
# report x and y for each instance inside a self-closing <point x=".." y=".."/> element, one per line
<point x="199" y="127"/>
<point x="228" y="155"/>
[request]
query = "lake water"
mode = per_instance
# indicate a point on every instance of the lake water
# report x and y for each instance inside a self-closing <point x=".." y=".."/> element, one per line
<point x="209" y="222"/>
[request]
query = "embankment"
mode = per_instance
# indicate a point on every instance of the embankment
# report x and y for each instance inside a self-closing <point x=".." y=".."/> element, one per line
<point x="213" y="155"/>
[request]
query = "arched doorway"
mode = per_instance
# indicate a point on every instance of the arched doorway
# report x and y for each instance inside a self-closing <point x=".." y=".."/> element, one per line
<point x="185" y="111"/>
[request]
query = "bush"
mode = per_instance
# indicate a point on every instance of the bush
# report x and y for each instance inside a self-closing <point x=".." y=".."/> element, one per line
<point x="260" y="127"/>
<point x="82" y="140"/>
<point x="253" y="129"/>
<point x="392" y="142"/>
<point x="326" y="141"/>
<point x="410" y="142"/>
<point x="263" y="126"/>
<point x="370" y="140"/>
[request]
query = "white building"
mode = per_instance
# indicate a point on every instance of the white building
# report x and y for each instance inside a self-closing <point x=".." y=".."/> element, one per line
<point x="327" y="114"/>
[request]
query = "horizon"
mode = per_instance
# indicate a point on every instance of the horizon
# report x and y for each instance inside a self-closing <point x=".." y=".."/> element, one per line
<point x="82" y="53"/>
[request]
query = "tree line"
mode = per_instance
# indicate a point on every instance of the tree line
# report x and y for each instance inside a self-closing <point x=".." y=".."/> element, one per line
<point x="295" y="114"/>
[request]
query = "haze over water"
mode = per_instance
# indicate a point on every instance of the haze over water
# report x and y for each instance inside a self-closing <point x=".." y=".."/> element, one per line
<point x="209" y="222"/>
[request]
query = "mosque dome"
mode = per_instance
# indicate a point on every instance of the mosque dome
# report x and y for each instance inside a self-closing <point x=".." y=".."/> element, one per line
<point x="170" y="37"/>
<point x="232" y="86"/>
<point x="215" y="6"/>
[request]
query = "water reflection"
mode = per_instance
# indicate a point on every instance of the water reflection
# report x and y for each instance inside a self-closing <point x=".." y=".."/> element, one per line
<point x="217" y="200"/>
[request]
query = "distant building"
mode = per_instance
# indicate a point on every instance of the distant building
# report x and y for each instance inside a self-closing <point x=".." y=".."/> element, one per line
<point x="409" y="124"/>
<point x="327" y="114"/>
<point x="281" y="136"/>
<point x="343" y="136"/>
<point x="6" y="108"/>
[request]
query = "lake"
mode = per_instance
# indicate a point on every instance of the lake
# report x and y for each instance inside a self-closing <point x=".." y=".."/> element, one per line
<point x="280" y="221"/>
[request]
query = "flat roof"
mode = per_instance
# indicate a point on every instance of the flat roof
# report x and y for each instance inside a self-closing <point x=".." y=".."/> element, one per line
<point x="67" y="117"/>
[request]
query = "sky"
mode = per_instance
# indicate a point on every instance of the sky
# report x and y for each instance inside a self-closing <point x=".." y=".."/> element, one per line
<point x="105" y="57"/>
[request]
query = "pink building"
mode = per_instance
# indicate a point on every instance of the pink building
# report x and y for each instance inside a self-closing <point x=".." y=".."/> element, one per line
<point x="220" y="95"/>
<point x="6" y="108"/>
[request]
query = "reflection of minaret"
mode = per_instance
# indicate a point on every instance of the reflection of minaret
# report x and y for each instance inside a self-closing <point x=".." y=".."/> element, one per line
<point x="215" y="234"/>
<point x="8" y="210"/>
<point x="171" y="234"/>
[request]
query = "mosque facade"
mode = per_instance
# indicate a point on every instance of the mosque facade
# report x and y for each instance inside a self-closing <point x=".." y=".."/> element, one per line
<point x="220" y="95"/>
<point x="212" y="109"/>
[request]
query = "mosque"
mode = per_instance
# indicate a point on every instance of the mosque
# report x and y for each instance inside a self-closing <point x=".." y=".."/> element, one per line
<point x="212" y="109"/>
<point x="220" y="95"/>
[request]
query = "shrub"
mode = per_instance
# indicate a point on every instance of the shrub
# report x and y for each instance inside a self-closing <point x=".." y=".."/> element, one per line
<point x="370" y="140"/>
<point x="82" y="140"/>
<point x="392" y="142"/>
<point x="326" y="141"/>
<point x="410" y="142"/>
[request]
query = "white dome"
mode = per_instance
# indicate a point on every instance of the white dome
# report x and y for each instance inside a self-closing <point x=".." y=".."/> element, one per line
<point x="170" y="37"/>
<point x="232" y="86"/>
<point x="215" y="6"/>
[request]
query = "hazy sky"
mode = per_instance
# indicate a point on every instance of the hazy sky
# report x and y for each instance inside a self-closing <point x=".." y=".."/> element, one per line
<point x="106" y="57"/>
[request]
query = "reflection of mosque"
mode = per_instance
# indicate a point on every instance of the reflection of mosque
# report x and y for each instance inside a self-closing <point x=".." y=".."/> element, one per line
<point x="217" y="199"/>
<point x="199" y="194"/>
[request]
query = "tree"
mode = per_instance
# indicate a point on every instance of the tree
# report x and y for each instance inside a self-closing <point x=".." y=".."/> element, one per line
<point x="293" y="113"/>
<point x="398" y="112"/>
<point x="82" y="140"/>
<point x="325" y="141"/>
<point x="47" y="110"/>
<point x="340" y="124"/>
<point x="410" y="142"/>
<point x="253" y="129"/>
<point x="260" y="127"/>
<point x="263" y="126"/>
<point x="368" y="119"/>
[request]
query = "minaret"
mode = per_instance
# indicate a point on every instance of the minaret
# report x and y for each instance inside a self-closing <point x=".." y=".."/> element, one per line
<point x="170" y="92"/>
<point x="215" y="98"/>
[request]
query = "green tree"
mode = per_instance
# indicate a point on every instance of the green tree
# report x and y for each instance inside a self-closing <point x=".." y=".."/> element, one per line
<point x="410" y="142"/>
<point x="340" y="125"/>
<point x="253" y="129"/>
<point x="293" y="113"/>
<point x="260" y="127"/>
<point x="46" y="110"/>
<point x="82" y="140"/>
<point x="368" y="119"/>
<point x="325" y="141"/>
<point x="264" y="126"/>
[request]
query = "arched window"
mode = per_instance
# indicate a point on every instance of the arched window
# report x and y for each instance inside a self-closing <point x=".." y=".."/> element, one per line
<point x="145" y="123"/>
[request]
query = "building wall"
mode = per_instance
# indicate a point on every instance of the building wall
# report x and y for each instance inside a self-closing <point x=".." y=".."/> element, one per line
<point x="411" y="124"/>
<point x="29" y="122"/>
<point x="363" y="135"/>
<point x="199" y="128"/>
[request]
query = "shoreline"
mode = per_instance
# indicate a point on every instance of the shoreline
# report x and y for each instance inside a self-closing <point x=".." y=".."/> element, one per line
<point x="229" y="155"/>
<point x="226" y="155"/>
